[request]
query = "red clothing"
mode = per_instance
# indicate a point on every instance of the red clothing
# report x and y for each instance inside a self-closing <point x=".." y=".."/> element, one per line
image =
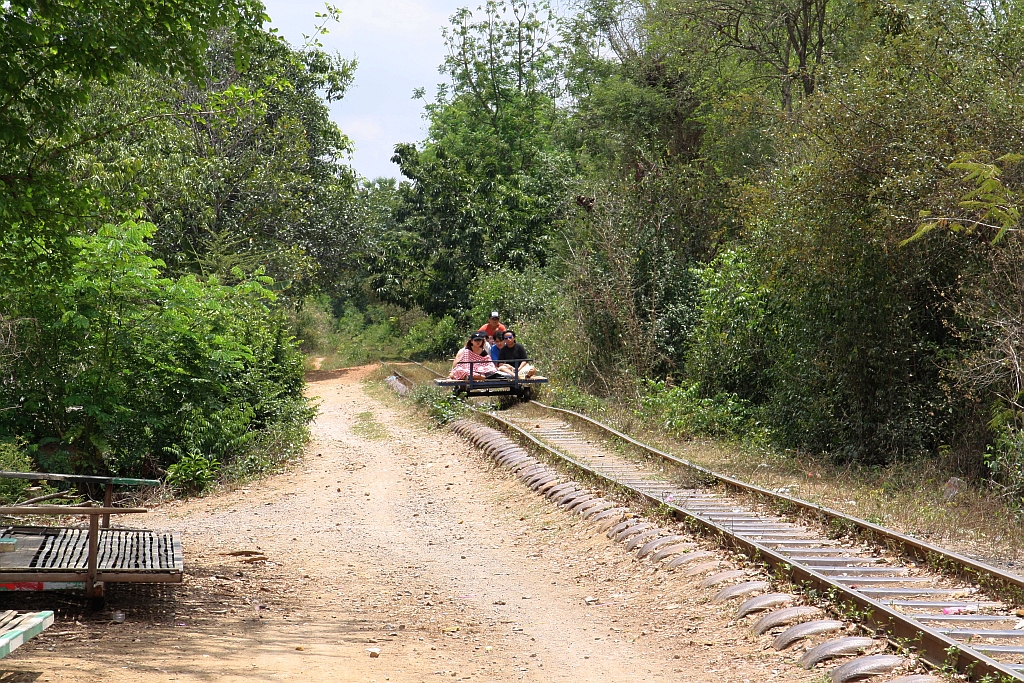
<point x="491" y="331"/>
<point x="481" y="365"/>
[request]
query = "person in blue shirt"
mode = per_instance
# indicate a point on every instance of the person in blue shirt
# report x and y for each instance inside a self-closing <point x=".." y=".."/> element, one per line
<point x="497" y="346"/>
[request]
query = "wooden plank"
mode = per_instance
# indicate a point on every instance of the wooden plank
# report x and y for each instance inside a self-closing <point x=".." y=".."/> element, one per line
<point x="118" y="551"/>
<point x="46" y="550"/>
<point x="129" y="481"/>
<point x="179" y="556"/>
<point x="488" y="383"/>
<point x="79" y="478"/>
<point x="94" y="555"/>
<point x="74" y="549"/>
<point x="29" y="627"/>
<point x="150" y="560"/>
<point x="25" y="552"/>
<point x="103" y="546"/>
<point x="68" y="510"/>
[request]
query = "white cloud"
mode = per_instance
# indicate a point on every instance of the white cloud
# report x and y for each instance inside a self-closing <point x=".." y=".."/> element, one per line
<point x="407" y="17"/>
<point x="399" y="47"/>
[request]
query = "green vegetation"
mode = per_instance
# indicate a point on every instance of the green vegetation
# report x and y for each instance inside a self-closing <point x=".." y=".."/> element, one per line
<point x="13" y="458"/>
<point x="795" y="223"/>
<point x="163" y="204"/>
<point x="441" y="405"/>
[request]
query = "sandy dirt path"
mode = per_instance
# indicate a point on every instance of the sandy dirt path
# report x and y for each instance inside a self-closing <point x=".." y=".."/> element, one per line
<point x="392" y="536"/>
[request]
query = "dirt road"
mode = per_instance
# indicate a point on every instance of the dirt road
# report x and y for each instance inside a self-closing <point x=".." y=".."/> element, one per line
<point x="394" y="538"/>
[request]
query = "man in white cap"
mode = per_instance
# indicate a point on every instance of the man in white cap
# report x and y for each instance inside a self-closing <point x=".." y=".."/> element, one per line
<point x="493" y="326"/>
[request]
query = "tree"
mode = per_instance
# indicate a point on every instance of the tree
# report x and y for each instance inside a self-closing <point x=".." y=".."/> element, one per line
<point x="793" y="39"/>
<point x="244" y="169"/>
<point x="487" y="184"/>
<point x="51" y="57"/>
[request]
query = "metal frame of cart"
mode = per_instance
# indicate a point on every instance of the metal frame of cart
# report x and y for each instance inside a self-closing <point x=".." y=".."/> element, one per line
<point x="514" y="386"/>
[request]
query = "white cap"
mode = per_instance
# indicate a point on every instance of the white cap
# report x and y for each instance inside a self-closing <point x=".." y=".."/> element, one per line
<point x="494" y="314"/>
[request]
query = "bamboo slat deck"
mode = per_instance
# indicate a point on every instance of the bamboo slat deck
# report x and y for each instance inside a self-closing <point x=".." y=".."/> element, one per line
<point x="61" y="554"/>
<point x="16" y="628"/>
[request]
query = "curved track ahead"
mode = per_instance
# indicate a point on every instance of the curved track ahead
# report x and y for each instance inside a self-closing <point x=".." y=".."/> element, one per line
<point x="959" y="617"/>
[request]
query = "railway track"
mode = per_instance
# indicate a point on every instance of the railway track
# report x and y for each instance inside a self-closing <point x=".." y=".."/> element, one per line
<point x="954" y="612"/>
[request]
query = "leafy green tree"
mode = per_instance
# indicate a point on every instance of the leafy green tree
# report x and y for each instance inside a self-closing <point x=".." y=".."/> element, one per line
<point x="128" y="371"/>
<point x="864" y="329"/>
<point x="52" y="56"/>
<point x="243" y="170"/>
<point x="487" y="185"/>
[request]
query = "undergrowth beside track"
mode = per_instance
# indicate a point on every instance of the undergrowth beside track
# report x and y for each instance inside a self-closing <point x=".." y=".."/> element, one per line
<point x="918" y="497"/>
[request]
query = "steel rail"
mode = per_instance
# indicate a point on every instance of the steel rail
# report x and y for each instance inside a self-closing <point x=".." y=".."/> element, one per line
<point x="394" y="370"/>
<point x="431" y="370"/>
<point x="908" y="545"/>
<point x="933" y="646"/>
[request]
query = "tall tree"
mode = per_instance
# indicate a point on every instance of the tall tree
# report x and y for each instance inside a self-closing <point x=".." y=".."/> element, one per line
<point x="243" y="169"/>
<point x="51" y="57"/>
<point x="487" y="184"/>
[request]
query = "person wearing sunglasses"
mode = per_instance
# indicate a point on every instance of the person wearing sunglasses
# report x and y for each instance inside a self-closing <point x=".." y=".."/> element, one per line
<point x="511" y="349"/>
<point x="514" y="354"/>
<point x="475" y="352"/>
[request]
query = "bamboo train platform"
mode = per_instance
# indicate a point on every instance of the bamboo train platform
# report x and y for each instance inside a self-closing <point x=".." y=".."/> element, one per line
<point x="57" y="558"/>
<point x="17" y="628"/>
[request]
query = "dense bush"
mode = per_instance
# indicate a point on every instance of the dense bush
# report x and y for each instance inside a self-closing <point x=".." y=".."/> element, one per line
<point x="1005" y="455"/>
<point x="520" y="296"/>
<point x="123" y="370"/>
<point x="731" y="345"/>
<point x="441" y="405"/>
<point x="14" y="458"/>
<point x="683" y="410"/>
<point x="734" y="212"/>
<point x="431" y="338"/>
<point x="371" y="333"/>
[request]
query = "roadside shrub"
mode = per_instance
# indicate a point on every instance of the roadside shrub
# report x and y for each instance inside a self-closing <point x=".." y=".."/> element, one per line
<point x="1004" y="457"/>
<point x="313" y="324"/>
<point x="128" y="372"/>
<point x="684" y="411"/>
<point x="13" y="458"/>
<point x="272" y="449"/>
<point x="442" y="405"/>
<point x="430" y="338"/>
<point x="571" y="397"/>
<point x="729" y="351"/>
<point x="192" y="473"/>
<point x="518" y="296"/>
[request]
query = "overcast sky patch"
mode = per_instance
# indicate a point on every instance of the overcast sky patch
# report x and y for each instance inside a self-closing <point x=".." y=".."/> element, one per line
<point x="399" y="47"/>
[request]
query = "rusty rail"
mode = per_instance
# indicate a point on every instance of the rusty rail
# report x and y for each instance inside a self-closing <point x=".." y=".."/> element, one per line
<point x="937" y="646"/>
<point x="934" y="646"/>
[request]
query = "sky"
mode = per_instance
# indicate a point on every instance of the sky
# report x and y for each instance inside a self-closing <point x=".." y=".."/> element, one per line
<point x="398" y="45"/>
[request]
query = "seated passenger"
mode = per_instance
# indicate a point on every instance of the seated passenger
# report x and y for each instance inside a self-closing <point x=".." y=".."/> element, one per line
<point x="514" y="354"/>
<point x="497" y="346"/>
<point x="510" y="348"/>
<point x="482" y="366"/>
<point x="493" y="326"/>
